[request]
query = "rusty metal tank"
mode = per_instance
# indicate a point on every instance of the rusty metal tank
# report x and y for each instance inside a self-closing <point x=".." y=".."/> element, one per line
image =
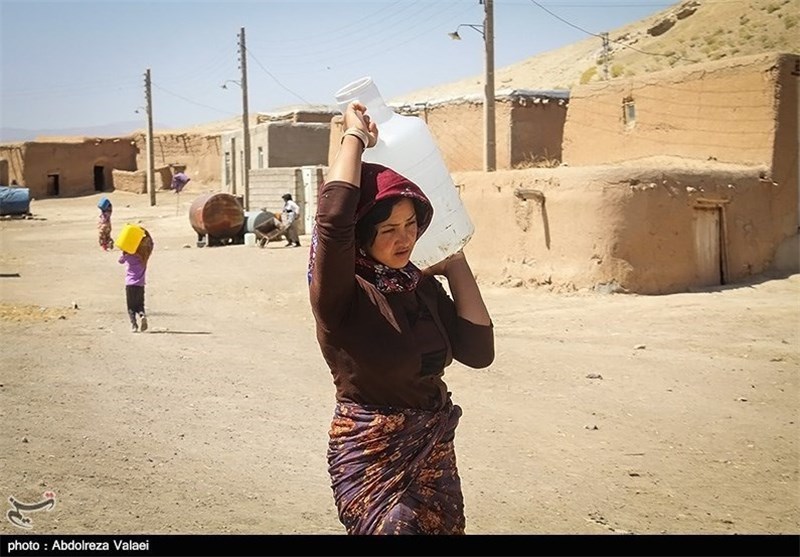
<point x="217" y="215"/>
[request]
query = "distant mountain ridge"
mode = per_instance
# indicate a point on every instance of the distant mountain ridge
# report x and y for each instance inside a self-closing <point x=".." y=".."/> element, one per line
<point x="115" y="129"/>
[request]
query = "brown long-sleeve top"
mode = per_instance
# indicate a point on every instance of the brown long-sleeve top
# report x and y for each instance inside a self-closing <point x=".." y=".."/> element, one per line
<point x="383" y="349"/>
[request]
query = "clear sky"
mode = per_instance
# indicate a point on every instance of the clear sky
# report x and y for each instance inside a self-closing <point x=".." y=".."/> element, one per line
<point x="81" y="63"/>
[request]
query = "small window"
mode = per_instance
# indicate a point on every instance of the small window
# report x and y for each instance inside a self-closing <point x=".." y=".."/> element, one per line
<point x="260" y="157"/>
<point x="628" y="112"/>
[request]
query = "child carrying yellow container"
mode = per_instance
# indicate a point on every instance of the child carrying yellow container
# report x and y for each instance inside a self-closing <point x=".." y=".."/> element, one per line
<point x="137" y="245"/>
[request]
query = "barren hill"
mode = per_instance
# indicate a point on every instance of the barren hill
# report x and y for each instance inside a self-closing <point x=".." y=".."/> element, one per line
<point x="686" y="33"/>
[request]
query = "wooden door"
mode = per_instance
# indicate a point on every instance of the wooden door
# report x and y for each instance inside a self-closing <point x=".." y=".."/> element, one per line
<point x="707" y="246"/>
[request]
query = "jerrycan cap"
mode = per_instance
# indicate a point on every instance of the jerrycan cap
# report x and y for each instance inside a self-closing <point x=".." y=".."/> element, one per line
<point x="366" y="92"/>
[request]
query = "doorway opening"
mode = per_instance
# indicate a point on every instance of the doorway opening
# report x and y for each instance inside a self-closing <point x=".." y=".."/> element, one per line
<point x="99" y="178"/>
<point x="53" y="187"/>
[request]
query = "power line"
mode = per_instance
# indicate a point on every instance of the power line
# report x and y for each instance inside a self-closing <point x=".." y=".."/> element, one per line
<point x="352" y="45"/>
<point x="391" y="42"/>
<point x="193" y="102"/>
<point x="360" y="24"/>
<point x="275" y="78"/>
<point x="581" y="29"/>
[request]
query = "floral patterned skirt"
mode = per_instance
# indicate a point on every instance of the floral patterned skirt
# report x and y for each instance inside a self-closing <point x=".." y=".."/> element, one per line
<point x="393" y="470"/>
<point x="104" y="236"/>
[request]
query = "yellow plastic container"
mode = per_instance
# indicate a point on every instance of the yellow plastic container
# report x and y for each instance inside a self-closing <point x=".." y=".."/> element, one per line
<point x="129" y="238"/>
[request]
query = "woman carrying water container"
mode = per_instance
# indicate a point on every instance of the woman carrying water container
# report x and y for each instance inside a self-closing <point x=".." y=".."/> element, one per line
<point x="104" y="224"/>
<point x="387" y="330"/>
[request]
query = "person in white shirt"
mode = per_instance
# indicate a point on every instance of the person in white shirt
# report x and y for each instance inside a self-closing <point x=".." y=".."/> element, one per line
<point x="289" y="219"/>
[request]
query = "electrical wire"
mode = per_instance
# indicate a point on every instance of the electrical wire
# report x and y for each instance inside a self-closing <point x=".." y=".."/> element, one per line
<point x="278" y="81"/>
<point x="191" y="101"/>
<point x="581" y="29"/>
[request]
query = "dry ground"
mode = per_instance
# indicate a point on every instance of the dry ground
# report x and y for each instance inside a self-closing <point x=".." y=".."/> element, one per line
<point x="600" y="414"/>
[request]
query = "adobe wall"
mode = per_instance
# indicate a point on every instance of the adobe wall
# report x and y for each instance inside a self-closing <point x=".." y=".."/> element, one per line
<point x="163" y="177"/>
<point x="73" y="161"/>
<point x="202" y="154"/>
<point x="232" y="165"/>
<point x="313" y="117"/>
<point x="458" y="131"/>
<point x="525" y="131"/>
<point x="615" y="228"/>
<point x="336" y="131"/>
<point x="537" y="130"/>
<point x="723" y="111"/>
<point x="322" y="116"/>
<point x="130" y="181"/>
<point x="259" y="139"/>
<point x="136" y="181"/>
<point x="785" y="162"/>
<point x="298" y="144"/>
<point x="12" y="155"/>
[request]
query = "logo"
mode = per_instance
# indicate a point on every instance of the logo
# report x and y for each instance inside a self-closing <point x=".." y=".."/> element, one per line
<point x="16" y="515"/>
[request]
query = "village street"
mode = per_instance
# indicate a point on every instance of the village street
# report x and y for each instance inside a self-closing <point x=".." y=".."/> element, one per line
<point x="602" y="413"/>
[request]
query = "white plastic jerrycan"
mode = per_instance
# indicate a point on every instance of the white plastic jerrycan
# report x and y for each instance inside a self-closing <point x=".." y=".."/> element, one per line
<point x="406" y="146"/>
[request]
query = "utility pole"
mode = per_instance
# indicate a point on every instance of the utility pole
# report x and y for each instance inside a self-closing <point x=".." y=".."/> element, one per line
<point x="151" y="185"/>
<point x="490" y="153"/>
<point x="245" y="121"/>
<point x="606" y="54"/>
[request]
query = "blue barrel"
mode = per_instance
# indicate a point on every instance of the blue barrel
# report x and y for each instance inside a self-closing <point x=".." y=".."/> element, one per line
<point x="15" y="201"/>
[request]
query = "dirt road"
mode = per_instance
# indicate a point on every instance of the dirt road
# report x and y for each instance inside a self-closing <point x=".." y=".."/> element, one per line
<point x="601" y="413"/>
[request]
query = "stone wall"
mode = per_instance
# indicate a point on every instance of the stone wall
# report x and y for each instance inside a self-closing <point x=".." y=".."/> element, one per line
<point x="268" y="185"/>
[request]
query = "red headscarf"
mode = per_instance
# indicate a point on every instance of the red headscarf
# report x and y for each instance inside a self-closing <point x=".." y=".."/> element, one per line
<point x="379" y="182"/>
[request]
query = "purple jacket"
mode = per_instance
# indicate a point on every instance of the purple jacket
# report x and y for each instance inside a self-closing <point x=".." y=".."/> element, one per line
<point x="134" y="274"/>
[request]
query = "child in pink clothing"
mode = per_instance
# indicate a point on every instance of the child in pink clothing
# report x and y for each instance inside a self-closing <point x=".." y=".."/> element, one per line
<point x="104" y="225"/>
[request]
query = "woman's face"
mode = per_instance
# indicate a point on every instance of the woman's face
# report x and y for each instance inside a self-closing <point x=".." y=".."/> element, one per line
<point x="395" y="236"/>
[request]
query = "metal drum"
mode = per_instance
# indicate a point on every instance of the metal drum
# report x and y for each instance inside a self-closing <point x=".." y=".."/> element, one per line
<point x="217" y="215"/>
<point x="254" y="219"/>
